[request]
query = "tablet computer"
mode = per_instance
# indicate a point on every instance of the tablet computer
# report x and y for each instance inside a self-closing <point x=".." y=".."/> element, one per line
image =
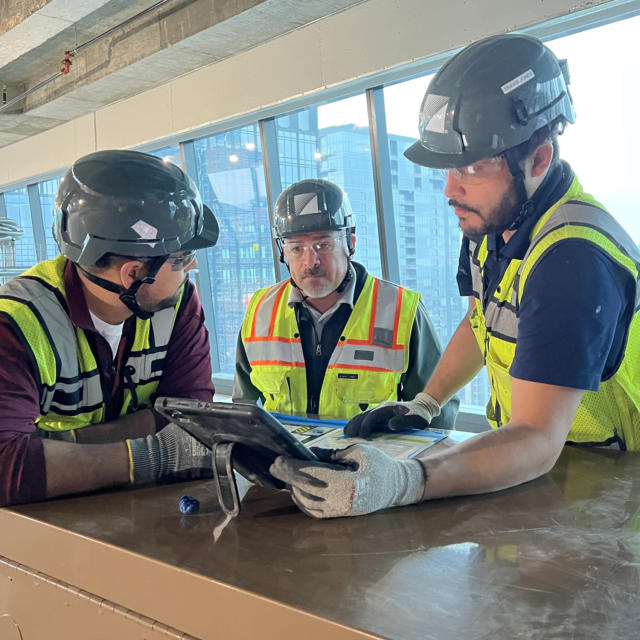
<point x="257" y="436"/>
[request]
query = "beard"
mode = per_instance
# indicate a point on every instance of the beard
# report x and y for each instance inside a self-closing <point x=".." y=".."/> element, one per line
<point x="164" y="303"/>
<point x="497" y="220"/>
<point x="319" y="288"/>
<point x="315" y="289"/>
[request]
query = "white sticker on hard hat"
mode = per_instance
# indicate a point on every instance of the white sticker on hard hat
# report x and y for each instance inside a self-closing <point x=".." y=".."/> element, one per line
<point x="434" y="113"/>
<point x="146" y="231"/>
<point x="306" y="203"/>
<point x="508" y="87"/>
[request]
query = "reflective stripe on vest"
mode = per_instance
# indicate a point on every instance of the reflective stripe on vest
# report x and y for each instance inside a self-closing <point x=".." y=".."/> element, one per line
<point x="613" y="412"/>
<point x="63" y="363"/>
<point x="364" y="368"/>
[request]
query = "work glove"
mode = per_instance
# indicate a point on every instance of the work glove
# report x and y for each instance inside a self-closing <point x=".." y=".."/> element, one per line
<point x="170" y="453"/>
<point x="350" y="482"/>
<point x="394" y="416"/>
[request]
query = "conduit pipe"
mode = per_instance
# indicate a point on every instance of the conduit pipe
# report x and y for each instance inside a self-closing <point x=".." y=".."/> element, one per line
<point x="67" y="62"/>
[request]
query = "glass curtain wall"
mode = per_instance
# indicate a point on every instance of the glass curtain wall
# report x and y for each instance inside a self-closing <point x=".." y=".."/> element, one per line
<point x="427" y="231"/>
<point x="230" y="174"/>
<point x="47" y="191"/>
<point x="18" y="249"/>
<point x="332" y="141"/>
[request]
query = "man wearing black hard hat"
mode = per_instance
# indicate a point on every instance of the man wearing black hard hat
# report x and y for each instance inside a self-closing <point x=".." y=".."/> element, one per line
<point x="332" y="339"/>
<point x="552" y="281"/>
<point x="90" y="338"/>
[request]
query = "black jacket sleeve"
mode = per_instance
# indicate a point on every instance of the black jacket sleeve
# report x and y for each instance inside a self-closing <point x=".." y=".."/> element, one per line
<point x="243" y="389"/>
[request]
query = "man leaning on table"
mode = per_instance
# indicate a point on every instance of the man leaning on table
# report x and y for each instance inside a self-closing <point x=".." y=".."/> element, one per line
<point x="552" y="281"/>
<point x="90" y="338"/>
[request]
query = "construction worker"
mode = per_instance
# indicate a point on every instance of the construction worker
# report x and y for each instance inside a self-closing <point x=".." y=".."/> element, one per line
<point x="331" y="340"/>
<point x="552" y="281"/>
<point x="88" y="339"/>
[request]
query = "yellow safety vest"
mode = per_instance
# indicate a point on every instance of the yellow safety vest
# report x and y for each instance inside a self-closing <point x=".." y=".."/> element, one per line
<point x="365" y="367"/>
<point x="65" y="368"/>
<point x="614" y="410"/>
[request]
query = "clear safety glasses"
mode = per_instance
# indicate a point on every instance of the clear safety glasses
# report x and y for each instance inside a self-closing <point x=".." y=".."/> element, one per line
<point x="181" y="260"/>
<point x="178" y="261"/>
<point x="295" y="250"/>
<point x="478" y="171"/>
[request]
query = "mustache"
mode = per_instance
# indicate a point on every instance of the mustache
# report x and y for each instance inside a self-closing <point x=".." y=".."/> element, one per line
<point x="316" y="271"/>
<point x="459" y="205"/>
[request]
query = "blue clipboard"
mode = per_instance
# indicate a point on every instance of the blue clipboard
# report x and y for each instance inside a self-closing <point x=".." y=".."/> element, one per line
<point x="311" y="422"/>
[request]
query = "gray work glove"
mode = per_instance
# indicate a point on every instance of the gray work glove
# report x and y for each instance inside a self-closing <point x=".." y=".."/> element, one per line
<point x="395" y="416"/>
<point x="357" y="480"/>
<point x="170" y="453"/>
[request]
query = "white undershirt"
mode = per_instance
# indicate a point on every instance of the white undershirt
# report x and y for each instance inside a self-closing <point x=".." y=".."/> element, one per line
<point x="110" y="332"/>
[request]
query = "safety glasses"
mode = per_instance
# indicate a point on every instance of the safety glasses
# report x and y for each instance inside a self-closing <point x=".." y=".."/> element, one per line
<point x="178" y="261"/>
<point x="181" y="260"/>
<point x="294" y="250"/>
<point x="478" y="171"/>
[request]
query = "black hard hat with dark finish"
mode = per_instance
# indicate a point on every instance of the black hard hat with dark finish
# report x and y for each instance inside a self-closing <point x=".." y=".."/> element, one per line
<point x="312" y="205"/>
<point x="129" y="203"/>
<point x="489" y="98"/>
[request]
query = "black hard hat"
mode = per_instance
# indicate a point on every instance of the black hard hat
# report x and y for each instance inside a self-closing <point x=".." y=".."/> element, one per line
<point x="490" y="97"/>
<point x="129" y="203"/>
<point x="312" y="205"/>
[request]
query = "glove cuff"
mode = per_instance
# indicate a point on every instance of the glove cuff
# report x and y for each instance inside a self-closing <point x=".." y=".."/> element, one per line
<point x="413" y="484"/>
<point x="428" y="402"/>
<point x="144" y="454"/>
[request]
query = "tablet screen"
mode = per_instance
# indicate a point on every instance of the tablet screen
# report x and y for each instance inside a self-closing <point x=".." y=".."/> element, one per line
<point x="258" y="437"/>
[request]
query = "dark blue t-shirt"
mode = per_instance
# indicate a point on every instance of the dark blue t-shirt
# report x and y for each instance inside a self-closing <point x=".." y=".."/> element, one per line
<point x="574" y="315"/>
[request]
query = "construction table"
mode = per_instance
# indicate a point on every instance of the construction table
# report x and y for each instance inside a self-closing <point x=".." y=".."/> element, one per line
<point x="558" y="557"/>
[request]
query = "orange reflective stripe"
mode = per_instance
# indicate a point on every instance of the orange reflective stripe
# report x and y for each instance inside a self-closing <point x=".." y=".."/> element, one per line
<point x="276" y="306"/>
<point x="255" y="313"/>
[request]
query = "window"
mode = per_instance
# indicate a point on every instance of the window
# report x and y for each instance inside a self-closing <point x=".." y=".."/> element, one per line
<point x="170" y="153"/>
<point x="231" y="178"/>
<point x="423" y="219"/>
<point x="334" y="144"/>
<point x="18" y="251"/>
<point x="47" y="191"/>
<point x="602" y="144"/>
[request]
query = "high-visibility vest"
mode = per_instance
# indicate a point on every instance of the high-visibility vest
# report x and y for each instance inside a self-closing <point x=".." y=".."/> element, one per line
<point x="365" y="367"/>
<point x="609" y="414"/>
<point x="65" y="368"/>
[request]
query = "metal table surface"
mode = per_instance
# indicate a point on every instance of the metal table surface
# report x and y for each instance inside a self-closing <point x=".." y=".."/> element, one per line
<point x="558" y="557"/>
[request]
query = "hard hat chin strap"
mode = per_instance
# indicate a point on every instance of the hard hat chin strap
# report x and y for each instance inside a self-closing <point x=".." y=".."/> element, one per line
<point x="128" y="297"/>
<point x="526" y="205"/>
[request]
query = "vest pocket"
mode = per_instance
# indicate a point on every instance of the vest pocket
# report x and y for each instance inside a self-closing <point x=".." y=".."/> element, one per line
<point x="270" y="380"/>
<point x="364" y="387"/>
<point x="499" y="407"/>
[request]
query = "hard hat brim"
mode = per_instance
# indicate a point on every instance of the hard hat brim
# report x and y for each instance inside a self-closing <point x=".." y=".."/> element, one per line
<point x="209" y="234"/>
<point x="419" y="154"/>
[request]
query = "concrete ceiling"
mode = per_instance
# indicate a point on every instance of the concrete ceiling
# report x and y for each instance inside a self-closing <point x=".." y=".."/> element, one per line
<point x="171" y="39"/>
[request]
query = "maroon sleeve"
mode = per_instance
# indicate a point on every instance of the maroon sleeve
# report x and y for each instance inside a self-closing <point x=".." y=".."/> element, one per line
<point x="187" y="368"/>
<point x="22" y="467"/>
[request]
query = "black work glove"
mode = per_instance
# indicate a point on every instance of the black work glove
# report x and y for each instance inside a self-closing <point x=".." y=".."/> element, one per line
<point x="394" y="416"/>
